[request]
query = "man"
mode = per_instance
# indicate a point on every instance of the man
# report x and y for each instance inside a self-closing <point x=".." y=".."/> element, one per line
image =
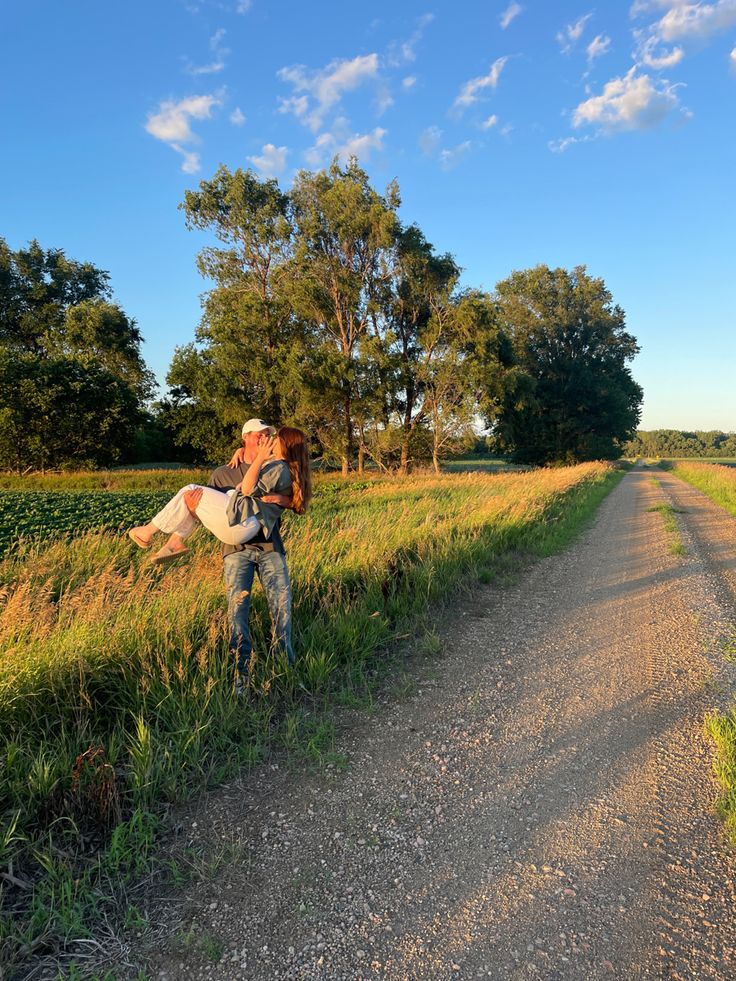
<point x="266" y="557"/>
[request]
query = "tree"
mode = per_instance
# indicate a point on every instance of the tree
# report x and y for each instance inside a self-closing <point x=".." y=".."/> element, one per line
<point x="569" y="340"/>
<point x="343" y="231"/>
<point x="60" y="412"/>
<point x="418" y="317"/>
<point x="72" y="378"/>
<point x="248" y="331"/>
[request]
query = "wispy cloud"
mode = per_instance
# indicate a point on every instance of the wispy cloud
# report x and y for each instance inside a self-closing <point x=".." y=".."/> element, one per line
<point x="318" y="92"/>
<point x="343" y="144"/>
<point x="451" y="157"/>
<point x="633" y="102"/>
<point x="237" y="117"/>
<point x="171" y="124"/>
<point x="408" y="48"/>
<point x="429" y="140"/>
<point x="732" y="58"/>
<point x="272" y="160"/>
<point x="409" y="82"/>
<point x="683" y="22"/>
<point x="559" y="146"/>
<point x="513" y="10"/>
<point x="403" y="52"/>
<point x="490" y="122"/>
<point x="243" y="6"/>
<point x="220" y="53"/>
<point x="597" y="47"/>
<point x="571" y="34"/>
<point x="696" y="20"/>
<point x="470" y="92"/>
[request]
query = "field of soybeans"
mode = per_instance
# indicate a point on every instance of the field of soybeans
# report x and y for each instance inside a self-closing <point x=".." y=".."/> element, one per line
<point x="116" y="692"/>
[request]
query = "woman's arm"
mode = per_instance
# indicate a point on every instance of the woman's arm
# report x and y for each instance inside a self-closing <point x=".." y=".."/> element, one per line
<point x="249" y="481"/>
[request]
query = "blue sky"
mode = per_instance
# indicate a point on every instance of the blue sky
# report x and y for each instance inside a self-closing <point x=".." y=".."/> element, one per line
<point x="519" y="132"/>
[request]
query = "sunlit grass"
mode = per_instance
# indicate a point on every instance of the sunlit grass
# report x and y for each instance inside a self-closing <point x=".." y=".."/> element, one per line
<point x="115" y="688"/>
<point x="716" y="480"/>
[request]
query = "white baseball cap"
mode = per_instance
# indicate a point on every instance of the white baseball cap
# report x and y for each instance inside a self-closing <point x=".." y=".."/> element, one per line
<point x="257" y="426"/>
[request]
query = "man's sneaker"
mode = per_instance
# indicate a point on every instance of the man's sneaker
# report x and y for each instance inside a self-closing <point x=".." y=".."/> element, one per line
<point x="240" y="686"/>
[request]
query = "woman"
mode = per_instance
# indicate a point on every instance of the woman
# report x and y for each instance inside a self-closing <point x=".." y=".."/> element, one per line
<point x="280" y="468"/>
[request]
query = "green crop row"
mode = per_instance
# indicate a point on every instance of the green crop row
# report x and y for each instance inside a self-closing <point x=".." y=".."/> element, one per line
<point x="49" y="514"/>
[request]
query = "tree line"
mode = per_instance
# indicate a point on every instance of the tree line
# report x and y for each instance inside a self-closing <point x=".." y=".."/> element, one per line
<point x="325" y="311"/>
<point x="678" y="443"/>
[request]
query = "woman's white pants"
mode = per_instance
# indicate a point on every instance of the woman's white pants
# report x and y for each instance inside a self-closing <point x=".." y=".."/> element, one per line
<point x="175" y="517"/>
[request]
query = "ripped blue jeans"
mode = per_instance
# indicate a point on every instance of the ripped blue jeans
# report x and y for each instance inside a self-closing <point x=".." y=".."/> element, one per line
<point x="240" y="569"/>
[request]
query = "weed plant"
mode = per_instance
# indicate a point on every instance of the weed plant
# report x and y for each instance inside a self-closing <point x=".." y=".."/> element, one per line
<point x="116" y="695"/>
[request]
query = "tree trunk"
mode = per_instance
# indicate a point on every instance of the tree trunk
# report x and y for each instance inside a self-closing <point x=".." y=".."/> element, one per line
<point x="361" y="459"/>
<point x="348" y="451"/>
<point x="404" y="465"/>
<point x="436" y="452"/>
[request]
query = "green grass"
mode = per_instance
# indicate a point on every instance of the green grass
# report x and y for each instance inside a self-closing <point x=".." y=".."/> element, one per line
<point x="668" y="512"/>
<point x="721" y="726"/>
<point x="116" y="696"/>
<point x="717" y="481"/>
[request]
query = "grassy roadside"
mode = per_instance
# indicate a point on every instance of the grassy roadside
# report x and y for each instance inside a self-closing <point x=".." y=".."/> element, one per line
<point x="115" y="694"/>
<point x="718" y="482"/>
<point x="715" y="480"/>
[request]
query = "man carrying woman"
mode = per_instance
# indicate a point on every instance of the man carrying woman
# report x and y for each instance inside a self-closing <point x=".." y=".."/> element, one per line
<point x="242" y="506"/>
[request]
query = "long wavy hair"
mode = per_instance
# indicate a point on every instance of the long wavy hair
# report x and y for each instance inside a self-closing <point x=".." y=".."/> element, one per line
<point x="296" y="456"/>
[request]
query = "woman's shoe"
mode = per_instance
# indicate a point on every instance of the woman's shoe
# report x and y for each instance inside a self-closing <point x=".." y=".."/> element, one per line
<point x="135" y="535"/>
<point x="166" y="555"/>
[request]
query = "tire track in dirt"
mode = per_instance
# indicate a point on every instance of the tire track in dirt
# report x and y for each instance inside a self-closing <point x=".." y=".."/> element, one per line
<point x="538" y="808"/>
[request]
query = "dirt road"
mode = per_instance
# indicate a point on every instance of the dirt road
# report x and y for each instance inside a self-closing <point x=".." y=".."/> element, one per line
<point x="538" y="807"/>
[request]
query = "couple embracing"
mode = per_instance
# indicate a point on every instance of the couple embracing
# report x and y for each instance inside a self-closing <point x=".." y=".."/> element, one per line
<point x="242" y="506"/>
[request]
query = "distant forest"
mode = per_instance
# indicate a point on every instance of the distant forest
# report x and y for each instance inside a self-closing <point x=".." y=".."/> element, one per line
<point x="676" y="442"/>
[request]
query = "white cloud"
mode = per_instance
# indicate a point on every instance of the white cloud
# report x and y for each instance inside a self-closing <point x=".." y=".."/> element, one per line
<point x="171" y="125"/>
<point x="343" y="144"/>
<point x="598" y="46"/>
<point x="236" y="116"/>
<point x="568" y="37"/>
<point x="450" y="158"/>
<point x="559" y="146"/>
<point x="384" y="101"/>
<point x="732" y="58"/>
<point x="325" y="87"/>
<point x="513" y="10"/>
<point x="361" y="146"/>
<point x="650" y="53"/>
<point x="429" y="140"/>
<point x="220" y="53"/>
<point x="408" y="48"/>
<point x="469" y="93"/>
<point x="628" y="103"/>
<point x="696" y="20"/>
<point x="243" y="6"/>
<point x="272" y="160"/>
<point x="490" y="122"/>
<point x="682" y="21"/>
<point x="409" y="82"/>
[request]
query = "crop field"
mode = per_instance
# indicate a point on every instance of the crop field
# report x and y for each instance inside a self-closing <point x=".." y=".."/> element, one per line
<point x="116" y="696"/>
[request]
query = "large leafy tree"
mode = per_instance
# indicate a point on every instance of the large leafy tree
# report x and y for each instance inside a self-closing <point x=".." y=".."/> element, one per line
<point x="72" y="378"/>
<point x="570" y="342"/>
<point x="249" y="339"/>
<point x="344" y="231"/>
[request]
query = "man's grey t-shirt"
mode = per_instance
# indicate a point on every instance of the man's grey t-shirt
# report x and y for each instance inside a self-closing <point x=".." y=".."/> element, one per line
<point x="225" y="478"/>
